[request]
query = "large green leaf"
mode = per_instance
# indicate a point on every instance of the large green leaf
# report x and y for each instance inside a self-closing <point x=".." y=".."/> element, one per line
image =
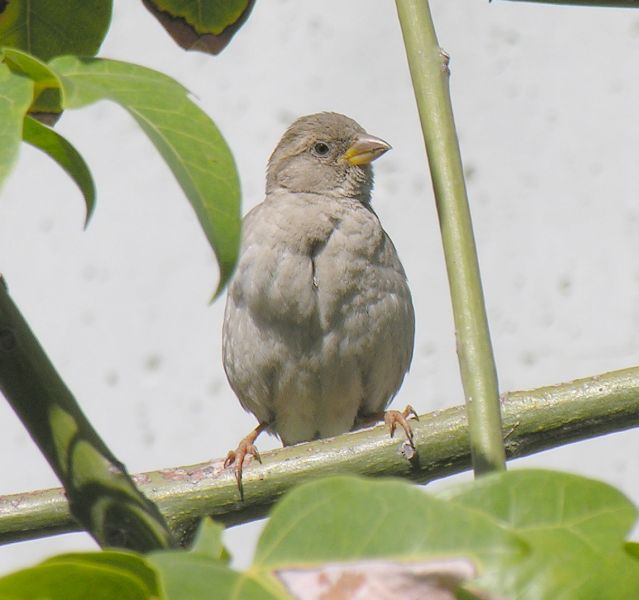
<point x="16" y="93"/>
<point x="99" y="576"/>
<point x="184" y="135"/>
<point x="347" y="518"/>
<point x="46" y="29"/>
<point x="575" y="528"/>
<point x="532" y="534"/>
<point x="201" y="25"/>
<point x="60" y="150"/>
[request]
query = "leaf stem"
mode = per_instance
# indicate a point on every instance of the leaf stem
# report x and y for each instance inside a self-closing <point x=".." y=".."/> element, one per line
<point x="430" y="75"/>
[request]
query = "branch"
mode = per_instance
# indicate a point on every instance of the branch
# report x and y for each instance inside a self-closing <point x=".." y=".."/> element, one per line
<point x="102" y="496"/>
<point x="429" y="72"/>
<point x="601" y="3"/>
<point x="532" y="421"/>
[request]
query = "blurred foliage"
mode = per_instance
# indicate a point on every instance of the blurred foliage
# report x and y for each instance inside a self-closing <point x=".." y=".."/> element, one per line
<point x="525" y="534"/>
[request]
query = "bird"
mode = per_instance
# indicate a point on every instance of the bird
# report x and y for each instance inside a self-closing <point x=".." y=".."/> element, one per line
<point x="319" y="322"/>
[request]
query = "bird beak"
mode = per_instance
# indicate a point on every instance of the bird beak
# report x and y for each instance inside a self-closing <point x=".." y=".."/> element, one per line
<point x="365" y="150"/>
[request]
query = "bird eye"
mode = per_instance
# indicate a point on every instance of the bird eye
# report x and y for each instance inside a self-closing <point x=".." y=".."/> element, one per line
<point x="321" y="149"/>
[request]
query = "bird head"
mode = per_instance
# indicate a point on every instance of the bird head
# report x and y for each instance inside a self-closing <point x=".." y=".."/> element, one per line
<point x="326" y="154"/>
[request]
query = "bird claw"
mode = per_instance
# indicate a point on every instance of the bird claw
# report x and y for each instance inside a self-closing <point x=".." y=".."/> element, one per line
<point x="238" y="456"/>
<point x="394" y="417"/>
<point x="409" y="411"/>
<point x="245" y="448"/>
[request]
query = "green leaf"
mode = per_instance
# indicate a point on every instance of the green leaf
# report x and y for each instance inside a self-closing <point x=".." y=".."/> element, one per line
<point x="213" y="16"/>
<point x="16" y="93"/>
<point x="119" y="560"/>
<point x="96" y="575"/>
<point x="184" y="135"/>
<point x="187" y="576"/>
<point x="632" y="548"/>
<point x="575" y="528"/>
<point x="60" y="150"/>
<point x="47" y="87"/>
<point x="347" y="518"/>
<point x="208" y="541"/>
<point x="47" y="29"/>
<point x="82" y="576"/>
<point x="205" y="26"/>
<point x="532" y="534"/>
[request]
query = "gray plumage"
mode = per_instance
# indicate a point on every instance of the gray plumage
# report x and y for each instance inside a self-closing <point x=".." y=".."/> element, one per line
<point x="319" y="322"/>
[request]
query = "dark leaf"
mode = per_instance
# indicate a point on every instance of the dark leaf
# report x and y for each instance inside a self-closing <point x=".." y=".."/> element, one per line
<point x="207" y="26"/>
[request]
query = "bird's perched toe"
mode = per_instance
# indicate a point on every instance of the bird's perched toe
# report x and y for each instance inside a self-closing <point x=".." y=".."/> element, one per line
<point x="392" y="418"/>
<point x="245" y="448"/>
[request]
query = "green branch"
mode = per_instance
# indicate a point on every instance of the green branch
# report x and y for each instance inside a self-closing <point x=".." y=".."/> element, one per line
<point x="601" y="3"/>
<point x="533" y="421"/>
<point x="429" y="72"/>
<point x="101" y="495"/>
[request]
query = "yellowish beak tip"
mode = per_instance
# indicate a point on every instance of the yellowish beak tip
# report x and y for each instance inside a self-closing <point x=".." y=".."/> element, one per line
<point x="365" y="150"/>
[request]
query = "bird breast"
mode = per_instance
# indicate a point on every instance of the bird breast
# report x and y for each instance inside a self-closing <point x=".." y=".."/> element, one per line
<point x="311" y="262"/>
<point x="319" y="322"/>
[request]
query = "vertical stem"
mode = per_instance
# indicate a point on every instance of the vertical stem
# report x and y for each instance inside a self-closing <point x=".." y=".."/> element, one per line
<point x="429" y="73"/>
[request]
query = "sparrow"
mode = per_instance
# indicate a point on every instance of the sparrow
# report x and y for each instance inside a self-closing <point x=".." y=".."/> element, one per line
<point x="319" y="322"/>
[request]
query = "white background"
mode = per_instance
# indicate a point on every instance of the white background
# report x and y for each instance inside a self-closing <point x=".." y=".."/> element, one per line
<point x="545" y="100"/>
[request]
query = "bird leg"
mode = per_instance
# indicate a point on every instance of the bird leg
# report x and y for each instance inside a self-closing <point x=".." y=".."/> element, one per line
<point x="245" y="447"/>
<point x="392" y="418"/>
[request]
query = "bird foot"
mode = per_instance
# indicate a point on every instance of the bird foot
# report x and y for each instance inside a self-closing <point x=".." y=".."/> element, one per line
<point x="245" y="448"/>
<point x="392" y="418"/>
